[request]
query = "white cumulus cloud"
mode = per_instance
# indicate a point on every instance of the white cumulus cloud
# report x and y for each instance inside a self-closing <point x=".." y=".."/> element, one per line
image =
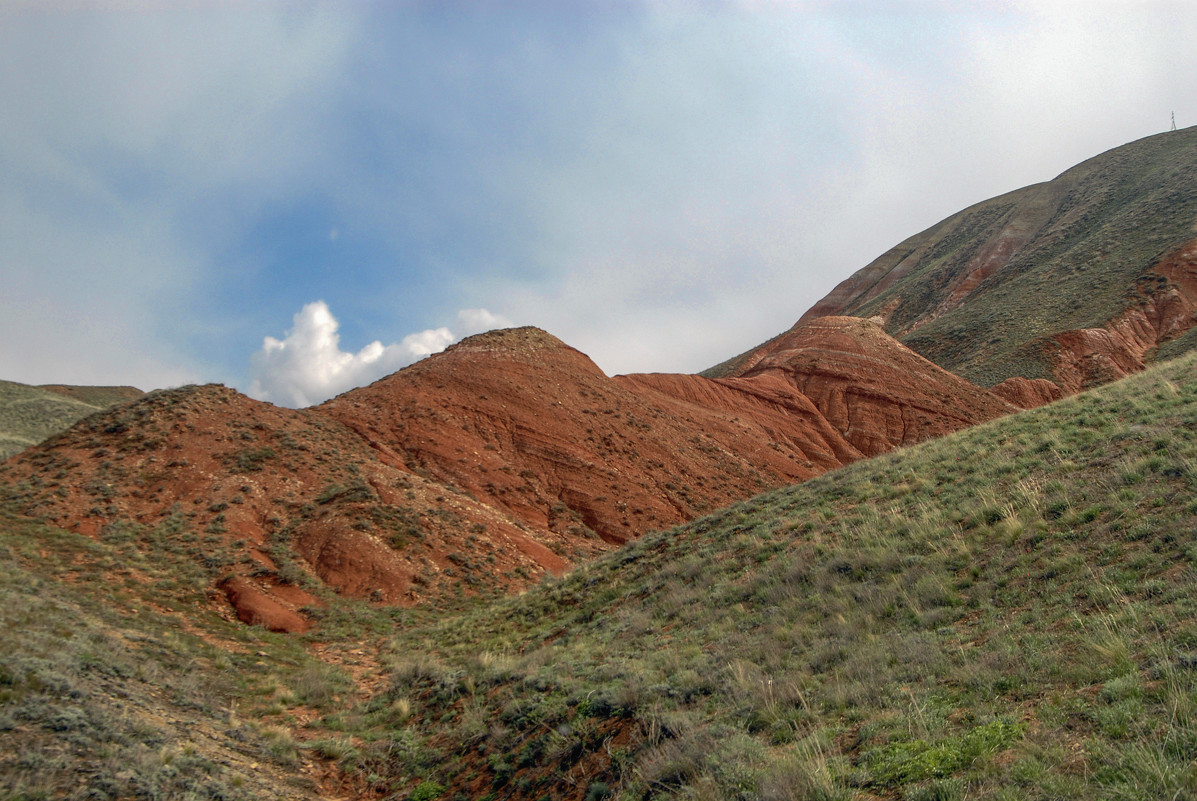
<point x="308" y="366"/>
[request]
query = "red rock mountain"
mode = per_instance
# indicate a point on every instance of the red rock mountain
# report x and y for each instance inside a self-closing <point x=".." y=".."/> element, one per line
<point x="479" y="468"/>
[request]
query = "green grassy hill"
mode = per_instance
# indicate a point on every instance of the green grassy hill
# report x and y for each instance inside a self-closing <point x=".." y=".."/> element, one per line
<point x="29" y="414"/>
<point x="1005" y="613"/>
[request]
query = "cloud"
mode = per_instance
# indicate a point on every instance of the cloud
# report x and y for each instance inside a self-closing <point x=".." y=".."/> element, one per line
<point x="476" y="321"/>
<point x="308" y="366"/>
<point x="138" y="145"/>
<point x="660" y="184"/>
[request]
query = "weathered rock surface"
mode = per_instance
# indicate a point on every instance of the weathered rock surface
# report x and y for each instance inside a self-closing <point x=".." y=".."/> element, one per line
<point x="528" y="425"/>
<point x="1028" y="393"/>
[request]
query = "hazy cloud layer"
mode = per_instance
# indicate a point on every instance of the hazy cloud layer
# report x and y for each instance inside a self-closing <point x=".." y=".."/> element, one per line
<point x="661" y="185"/>
<point x="308" y="366"/>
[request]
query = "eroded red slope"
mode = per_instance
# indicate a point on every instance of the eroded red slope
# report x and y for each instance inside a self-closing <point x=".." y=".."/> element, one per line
<point x="525" y="423"/>
<point x="875" y="391"/>
<point x="275" y="504"/>
<point x="508" y="455"/>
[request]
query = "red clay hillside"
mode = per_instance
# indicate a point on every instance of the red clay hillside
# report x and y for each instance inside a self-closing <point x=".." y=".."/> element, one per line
<point x="480" y="468"/>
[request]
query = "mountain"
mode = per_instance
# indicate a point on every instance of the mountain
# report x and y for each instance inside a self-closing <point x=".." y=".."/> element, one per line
<point x="29" y="414"/>
<point x="1077" y="281"/>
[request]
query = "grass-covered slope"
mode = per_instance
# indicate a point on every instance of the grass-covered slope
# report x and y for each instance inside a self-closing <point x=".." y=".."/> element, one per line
<point x="117" y="682"/>
<point x="1009" y="612"/>
<point x="29" y="414"/>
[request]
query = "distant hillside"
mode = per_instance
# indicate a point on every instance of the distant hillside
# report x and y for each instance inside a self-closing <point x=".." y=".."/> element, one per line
<point x="1080" y="280"/>
<point x="103" y="397"/>
<point x="29" y="414"/>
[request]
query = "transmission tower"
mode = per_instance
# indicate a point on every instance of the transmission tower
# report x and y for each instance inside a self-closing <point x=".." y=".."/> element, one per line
<point x="1174" y="120"/>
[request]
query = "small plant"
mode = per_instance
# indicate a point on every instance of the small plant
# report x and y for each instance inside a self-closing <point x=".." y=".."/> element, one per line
<point x="426" y="791"/>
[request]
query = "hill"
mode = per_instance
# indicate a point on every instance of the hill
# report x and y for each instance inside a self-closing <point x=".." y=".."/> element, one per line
<point x="29" y="414"/>
<point x="476" y="470"/>
<point x="1003" y="612"/>
<point x="1079" y="280"/>
<point x="275" y="505"/>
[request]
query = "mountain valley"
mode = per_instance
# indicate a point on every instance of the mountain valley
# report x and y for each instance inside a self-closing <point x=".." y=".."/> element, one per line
<point x="501" y="573"/>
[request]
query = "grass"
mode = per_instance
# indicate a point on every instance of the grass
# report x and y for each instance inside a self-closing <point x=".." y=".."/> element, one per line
<point x="118" y="680"/>
<point x="1006" y="613"/>
<point x="30" y="414"/>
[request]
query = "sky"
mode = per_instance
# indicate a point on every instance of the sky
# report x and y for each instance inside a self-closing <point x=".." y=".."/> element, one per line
<point x="297" y="198"/>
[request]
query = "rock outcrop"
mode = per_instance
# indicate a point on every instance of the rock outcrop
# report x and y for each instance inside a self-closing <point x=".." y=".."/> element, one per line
<point x="876" y="392"/>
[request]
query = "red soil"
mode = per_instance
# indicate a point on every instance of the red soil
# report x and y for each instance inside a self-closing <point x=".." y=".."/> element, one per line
<point x="1166" y="309"/>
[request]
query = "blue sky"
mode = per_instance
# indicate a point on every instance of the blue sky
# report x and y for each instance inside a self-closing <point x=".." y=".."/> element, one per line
<point x="295" y="198"/>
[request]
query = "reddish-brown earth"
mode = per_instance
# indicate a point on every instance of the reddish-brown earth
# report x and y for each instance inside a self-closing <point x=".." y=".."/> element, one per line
<point x="877" y="392"/>
<point x="1091" y="356"/>
<point x="528" y="425"/>
<point x="272" y="499"/>
<point x="508" y="455"/>
<point x="1028" y="393"/>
